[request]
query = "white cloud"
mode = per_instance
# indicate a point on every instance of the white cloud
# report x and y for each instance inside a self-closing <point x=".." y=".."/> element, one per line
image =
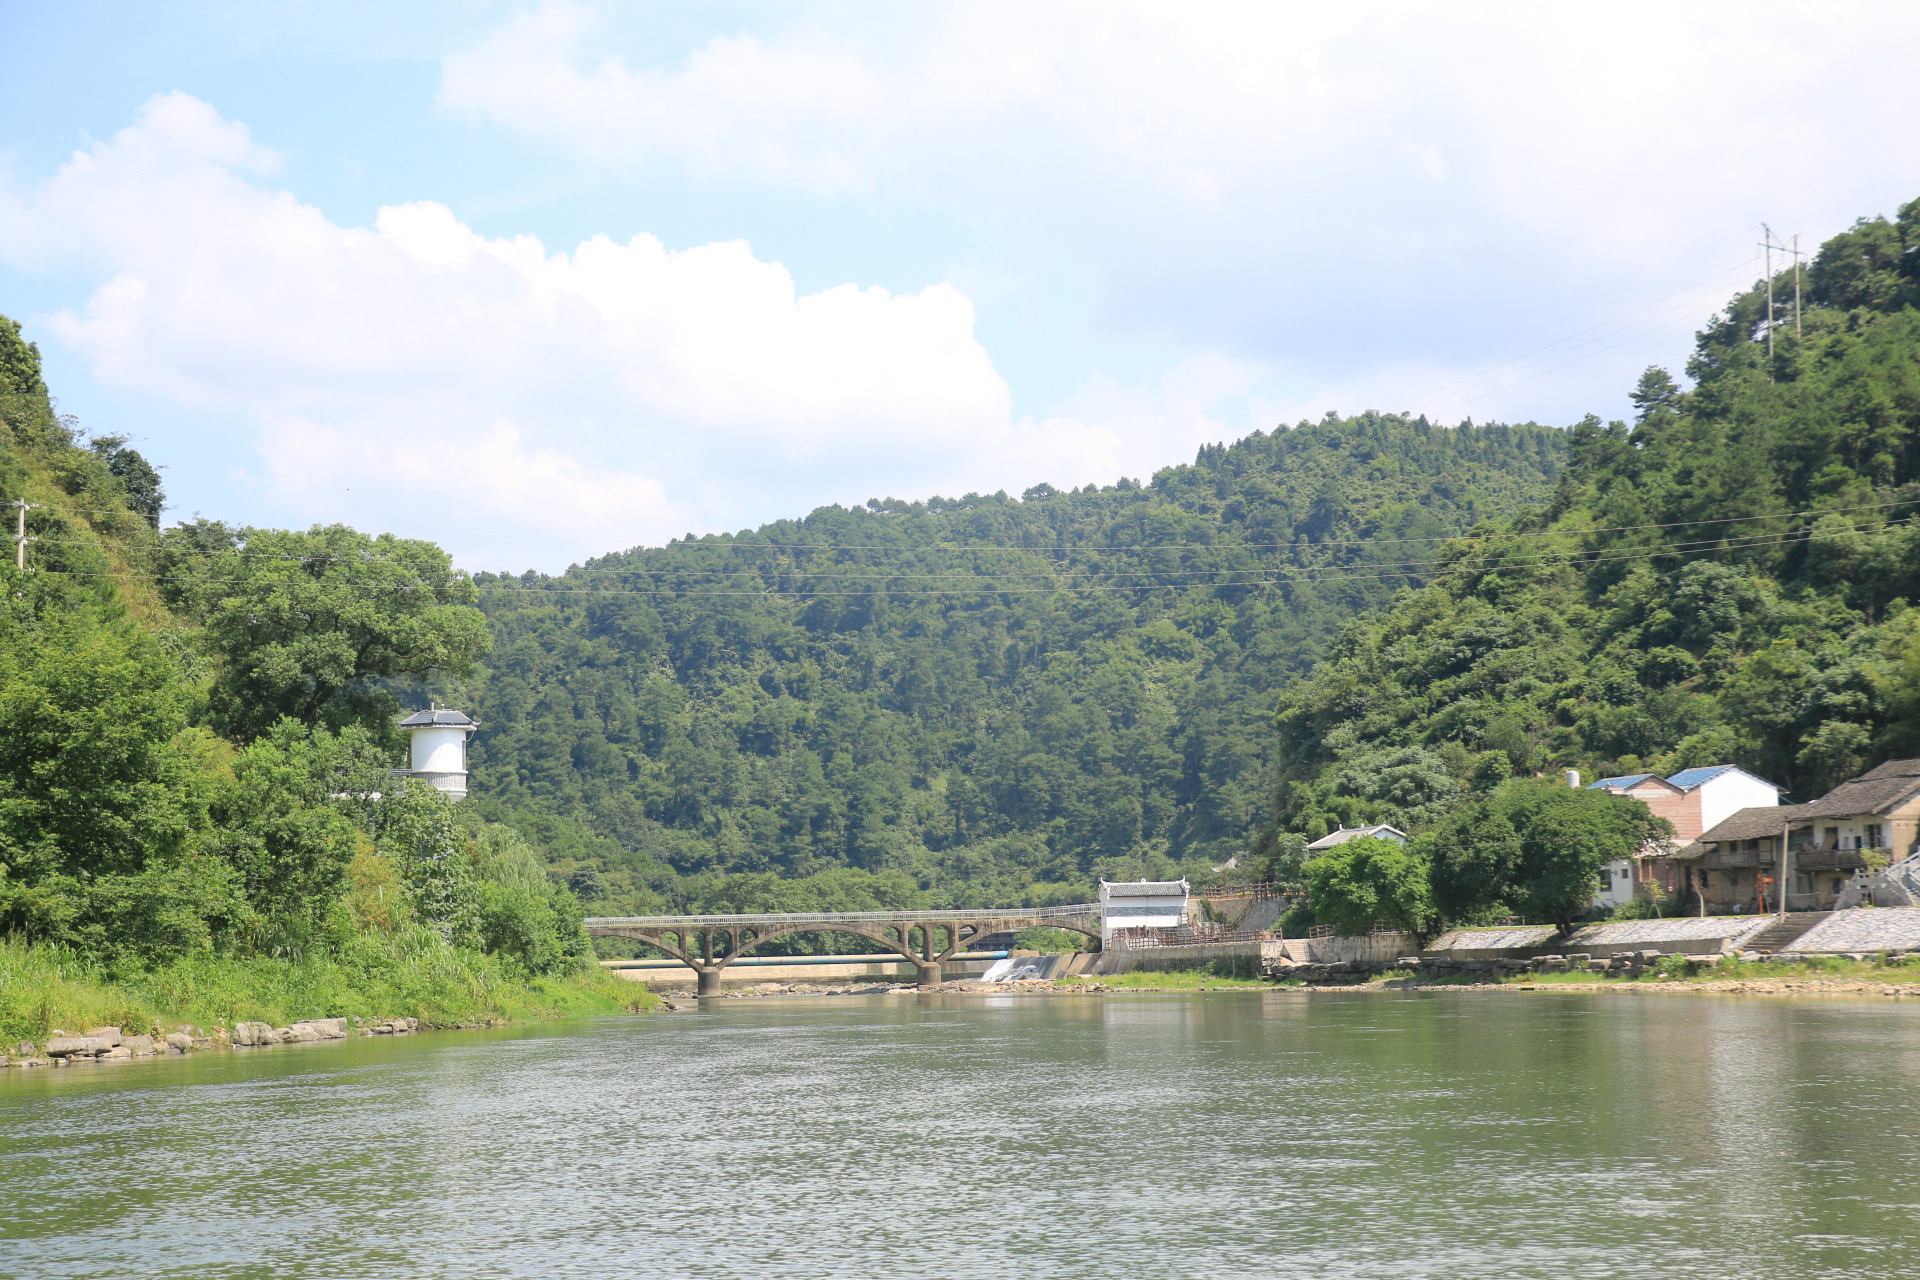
<point x="417" y="374"/>
<point x="1304" y="185"/>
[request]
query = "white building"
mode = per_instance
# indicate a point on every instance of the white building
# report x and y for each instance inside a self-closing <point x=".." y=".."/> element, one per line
<point x="1341" y="835"/>
<point x="439" y="754"/>
<point x="1141" y="904"/>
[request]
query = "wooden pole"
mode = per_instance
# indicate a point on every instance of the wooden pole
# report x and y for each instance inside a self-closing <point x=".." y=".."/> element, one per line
<point x="1784" y="882"/>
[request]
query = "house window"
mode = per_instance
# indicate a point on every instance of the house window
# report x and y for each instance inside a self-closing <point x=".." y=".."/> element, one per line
<point x="1873" y="835"/>
<point x="1833" y="838"/>
<point x="1804" y="883"/>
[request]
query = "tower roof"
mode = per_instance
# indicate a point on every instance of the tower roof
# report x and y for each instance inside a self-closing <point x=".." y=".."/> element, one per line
<point x="443" y="717"/>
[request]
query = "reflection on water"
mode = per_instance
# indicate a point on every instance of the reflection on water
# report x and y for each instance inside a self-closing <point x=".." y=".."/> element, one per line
<point x="1225" y="1135"/>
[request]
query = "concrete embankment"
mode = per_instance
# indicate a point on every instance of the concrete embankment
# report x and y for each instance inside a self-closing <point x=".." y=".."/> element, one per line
<point x="670" y="975"/>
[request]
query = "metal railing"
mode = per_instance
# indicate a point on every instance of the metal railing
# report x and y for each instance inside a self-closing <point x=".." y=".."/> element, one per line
<point x="1078" y="911"/>
<point x="1185" y="936"/>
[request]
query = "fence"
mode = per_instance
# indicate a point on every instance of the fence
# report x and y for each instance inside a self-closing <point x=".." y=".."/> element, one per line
<point x="1186" y="936"/>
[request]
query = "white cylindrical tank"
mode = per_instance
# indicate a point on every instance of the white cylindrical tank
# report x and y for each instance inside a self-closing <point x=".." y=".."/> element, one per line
<point x="439" y="753"/>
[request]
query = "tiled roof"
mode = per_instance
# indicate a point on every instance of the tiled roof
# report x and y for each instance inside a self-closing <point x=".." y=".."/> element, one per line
<point x="1143" y="888"/>
<point x="438" y="716"/>
<point x="1688" y="779"/>
<point x="1879" y="789"/>
<point x="1618" y="784"/>
<point x="1760" y="820"/>
<point x="1345" y="834"/>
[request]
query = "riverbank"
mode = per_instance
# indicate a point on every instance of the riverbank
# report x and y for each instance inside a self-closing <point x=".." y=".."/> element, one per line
<point x="371" y="980"/>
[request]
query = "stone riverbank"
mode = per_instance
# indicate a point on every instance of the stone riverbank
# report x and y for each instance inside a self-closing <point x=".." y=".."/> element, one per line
<point x="108" y="1044"/>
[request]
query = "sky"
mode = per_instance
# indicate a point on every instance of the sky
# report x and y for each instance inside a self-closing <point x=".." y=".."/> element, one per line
<point x="542" y="281"/>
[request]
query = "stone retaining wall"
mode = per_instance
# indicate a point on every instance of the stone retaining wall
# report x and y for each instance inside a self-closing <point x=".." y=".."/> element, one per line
<point x="1488" y="968"/>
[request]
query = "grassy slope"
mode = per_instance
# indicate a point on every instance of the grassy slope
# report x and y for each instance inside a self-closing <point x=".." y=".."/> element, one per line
<point x="412" y="975"/>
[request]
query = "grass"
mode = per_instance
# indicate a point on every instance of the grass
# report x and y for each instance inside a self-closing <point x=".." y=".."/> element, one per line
<point x="409" y="974"/>
<point x="1731" y="970"/>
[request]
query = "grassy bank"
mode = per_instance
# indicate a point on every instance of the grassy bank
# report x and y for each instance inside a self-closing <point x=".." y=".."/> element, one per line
<point x="410" y="974"/>
<point x="1841" y="968"/>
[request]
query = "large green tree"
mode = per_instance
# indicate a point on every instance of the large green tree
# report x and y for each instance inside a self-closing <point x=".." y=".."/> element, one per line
<point x="1371" y="880"/>
<point x="1534" y="847"/>
<point x="309" y="625"/>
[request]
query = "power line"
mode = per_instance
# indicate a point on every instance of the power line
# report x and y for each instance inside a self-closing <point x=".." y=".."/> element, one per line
<point x="954" y="548"/>
<point x="1408" y="569"/>
<point x="1522" y="361"/>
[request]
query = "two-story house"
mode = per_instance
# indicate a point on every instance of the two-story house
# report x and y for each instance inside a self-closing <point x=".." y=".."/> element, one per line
<point x="1692" y="800"/>
<point x="1874" y="818"/>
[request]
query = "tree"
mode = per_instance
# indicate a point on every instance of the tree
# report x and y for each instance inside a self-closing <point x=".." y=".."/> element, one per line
<point x="1536" y="847"/>
<point x="19" y="363"/>
<point x="287" y="823"/>
<point x="1369" y="879"/>
<point x="306" y="625"/>
<point x="1656" y="393"/>
<point x="419" y="835"/>
<point x="136" y="475"/>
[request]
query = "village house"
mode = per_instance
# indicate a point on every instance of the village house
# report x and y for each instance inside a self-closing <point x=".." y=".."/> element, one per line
<point x="1871" y="820"/>
<point x="1692" y="800"/>
<point x="1341" y="835"/>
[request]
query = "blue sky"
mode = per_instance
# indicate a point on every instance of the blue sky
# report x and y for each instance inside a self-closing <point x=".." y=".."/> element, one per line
<point x="545" y="280"/>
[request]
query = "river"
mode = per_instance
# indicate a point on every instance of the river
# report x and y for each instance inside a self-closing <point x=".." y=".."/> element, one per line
<point x="1450" y="1134"/>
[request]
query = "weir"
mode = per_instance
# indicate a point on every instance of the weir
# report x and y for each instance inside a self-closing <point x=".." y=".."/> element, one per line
<point x="708" y="944"/>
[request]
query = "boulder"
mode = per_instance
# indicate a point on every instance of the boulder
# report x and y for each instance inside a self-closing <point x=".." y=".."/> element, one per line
<point x="252" y="1033"/>
<point x="68" y="1046"/>
<point x="302" y="1032"/>
<point x="110" y="1034"/>
<point x="118" y="1051"/>
<point x="323" y="1028"/>
<point x="179" y="1040"/>
<point x="141" y="1045"/>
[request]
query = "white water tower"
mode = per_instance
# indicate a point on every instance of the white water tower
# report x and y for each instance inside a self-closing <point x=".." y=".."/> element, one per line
<point x="439" y="751"/>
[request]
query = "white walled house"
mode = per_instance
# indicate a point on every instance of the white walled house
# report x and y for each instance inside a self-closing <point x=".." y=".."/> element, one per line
<point x="1723" y="790"/>
<point x="439" y="750"/>
<point x="1141" y="904"/>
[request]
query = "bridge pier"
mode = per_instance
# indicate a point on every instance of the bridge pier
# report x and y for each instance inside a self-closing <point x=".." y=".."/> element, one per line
<point x="930" y="977"/>
<point x="708" y="983"/>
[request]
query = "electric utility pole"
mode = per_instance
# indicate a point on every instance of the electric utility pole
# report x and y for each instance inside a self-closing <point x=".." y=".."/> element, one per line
<point x="1796" y="284"/>
<point x="1767" y="244"/>
<point x="20" y="538"/>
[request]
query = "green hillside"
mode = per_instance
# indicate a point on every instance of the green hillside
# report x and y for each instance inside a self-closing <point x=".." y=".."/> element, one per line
<point x="999" y="699"/>
<point x="1729" y="578"/>
<point x="172" y="846"/>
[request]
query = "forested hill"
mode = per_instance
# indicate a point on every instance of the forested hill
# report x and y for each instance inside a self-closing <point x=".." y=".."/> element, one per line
<point x="1728" y="579"/>
<point x="999" y="698"/>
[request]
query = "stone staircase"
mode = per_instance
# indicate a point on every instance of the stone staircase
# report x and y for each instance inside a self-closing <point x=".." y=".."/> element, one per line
<point x="1784" y="932"/>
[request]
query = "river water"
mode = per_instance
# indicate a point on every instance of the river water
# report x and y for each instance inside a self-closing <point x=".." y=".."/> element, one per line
<point x="1252" y="1134"/>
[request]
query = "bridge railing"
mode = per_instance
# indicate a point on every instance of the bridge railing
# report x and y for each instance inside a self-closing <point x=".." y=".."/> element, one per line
<point x="1078" y="911"/>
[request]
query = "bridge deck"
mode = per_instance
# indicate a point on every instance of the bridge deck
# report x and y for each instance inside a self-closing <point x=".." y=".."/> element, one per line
<point x="827" y="919"/>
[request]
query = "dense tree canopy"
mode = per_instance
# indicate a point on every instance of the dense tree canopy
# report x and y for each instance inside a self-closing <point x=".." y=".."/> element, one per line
<point x="1000" y="699"/>
<point x="1729" y="579"/>
<point x="309" y="625"/>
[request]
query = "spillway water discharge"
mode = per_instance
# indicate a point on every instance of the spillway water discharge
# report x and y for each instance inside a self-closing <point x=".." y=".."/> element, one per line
<point x="1219" y="1135"/>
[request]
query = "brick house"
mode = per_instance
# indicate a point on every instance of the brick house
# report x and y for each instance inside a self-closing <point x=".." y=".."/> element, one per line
<point x="1692" y="800"/>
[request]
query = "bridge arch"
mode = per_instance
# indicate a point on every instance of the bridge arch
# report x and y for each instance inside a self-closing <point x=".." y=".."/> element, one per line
<point x="708" y="944"/>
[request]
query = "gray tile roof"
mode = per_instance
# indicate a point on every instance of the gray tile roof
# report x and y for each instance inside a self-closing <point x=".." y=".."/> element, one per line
<point x="1749" y="824"/>
<point x="1143" y="888"/>
<point x="1344" y="834"/>
<point x="1876" y="791"/>
<point x="438" y="716"/>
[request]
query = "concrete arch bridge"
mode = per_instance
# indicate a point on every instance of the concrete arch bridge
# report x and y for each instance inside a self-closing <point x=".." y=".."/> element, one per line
<point x="708" y="944"/>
